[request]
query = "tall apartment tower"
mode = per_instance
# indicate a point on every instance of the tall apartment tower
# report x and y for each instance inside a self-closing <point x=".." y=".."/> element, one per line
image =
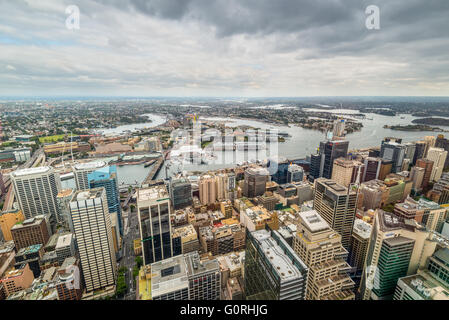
<point x="255" y="182"/>
<point x="329" y="151"/>
<point x="92" y="225"/>
<point x="154" y="209"/>
<point x="438" y="156"/>
<point x="272" y="270"/>
<point x="321" y="250"/>
<point x="106" y="177"/>
<point x="372" y="168"/>
<point x="397" y="247"/>
<point x="443" y="143"/>
<point x="428" y="167"/>
<point x="337" y="205"/>
<point x="417" y="177"/>
<point x="347" y="171"/>
<point x="222" y="180"/>
<point x="36" y="190"/>
<point x="208" y="189"/>
<point x="82" y="170"/>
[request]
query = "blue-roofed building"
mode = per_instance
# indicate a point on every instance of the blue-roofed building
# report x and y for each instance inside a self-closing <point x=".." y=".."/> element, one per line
<point x="106" y="177"/>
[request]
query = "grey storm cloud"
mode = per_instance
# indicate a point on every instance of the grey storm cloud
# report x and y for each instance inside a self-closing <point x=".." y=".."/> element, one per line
<point x="300" y="47"/>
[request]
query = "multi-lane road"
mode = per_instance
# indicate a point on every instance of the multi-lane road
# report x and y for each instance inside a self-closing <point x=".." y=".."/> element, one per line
<point x="131" y="232"/>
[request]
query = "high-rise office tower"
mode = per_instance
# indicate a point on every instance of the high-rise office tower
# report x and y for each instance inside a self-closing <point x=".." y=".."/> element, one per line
<point x="272" y="271"/>
<point x="438" y="156"/>
<point x="431" y="283"/>
<point x="417" y="177"/>
<point x="359" y="245"/>
<point x="337" y="205"/>
<point x="329" y="151"/>
<point x="397" y="247"/>
<point x="208" y="189"/>
<point x="295" y="173"/>
<point x="180" y="193"/>
<point x="169" y="279"/>
<point x="92" y="225"/>
<point x="428" y="167"/>
<point x="315" y="164"/>
<point x="443" y="143"/>
<point x="347" y="171"/>
<point x="186" y="277"/>
<point x="321" y="250"/>
<point x="81" y="171"/>
<point x="153" y="207"/>
<point x="372" y="168"/>
<point x="36" y="190"/>
<point x="395" y="152"/>
<point x="204" y="277"/>
<point x="255" y="182"/>
<point x="410" y="149"/>
<point x="281" y="165"/>
<point x="420" y="151"/>
<point x="386" y="168"/>
<point x="106" y="177"/>
<point x="63" y="200"/>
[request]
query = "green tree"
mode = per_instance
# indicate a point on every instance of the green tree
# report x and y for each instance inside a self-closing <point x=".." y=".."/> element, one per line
<point x="139" y="261"/>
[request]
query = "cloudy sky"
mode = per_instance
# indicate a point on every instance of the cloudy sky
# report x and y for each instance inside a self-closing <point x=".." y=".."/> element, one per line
<point x="224" y="48"/>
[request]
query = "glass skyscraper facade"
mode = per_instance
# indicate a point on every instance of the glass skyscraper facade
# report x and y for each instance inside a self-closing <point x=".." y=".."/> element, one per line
<point x="106" y="177"/>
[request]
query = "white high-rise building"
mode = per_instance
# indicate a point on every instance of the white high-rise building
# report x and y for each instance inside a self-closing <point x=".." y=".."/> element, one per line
<point x="438" y="156"/>
<point x="92" y="226"/>
<point x="82" y="170"/>
<point x="36" y="190"/>
<point x="339" y="128"/>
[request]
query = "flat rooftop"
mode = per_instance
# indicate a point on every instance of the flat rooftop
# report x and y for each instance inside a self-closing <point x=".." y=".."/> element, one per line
<point x="30" y="249"/>
<point x="168" y="275"/>
<point x="197" y="266"/>
<point x="333" y="186"/>
<point x="64" y="240"/>
<point x="90" y="165"/>
<point x="281" y="263"/>
<point x="184" y="231"/>
<point x="82" y="195"/>
<point x="65" y="193"/>
<point x="30" y="171"/>
<point x="152" y="193"/>
<point x="362" y="228"/>
<point x="313" y="221"/>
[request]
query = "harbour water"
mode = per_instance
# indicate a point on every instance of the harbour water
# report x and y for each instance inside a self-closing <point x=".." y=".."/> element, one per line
<point x="301" y="143"/>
